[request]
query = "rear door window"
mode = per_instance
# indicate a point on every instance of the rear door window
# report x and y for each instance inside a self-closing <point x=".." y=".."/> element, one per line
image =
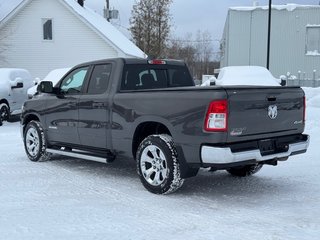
<point x="99" y="79"/>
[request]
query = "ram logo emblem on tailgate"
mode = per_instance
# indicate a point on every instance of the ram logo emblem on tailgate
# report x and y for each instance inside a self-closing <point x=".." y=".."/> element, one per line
<point x="273" y="111"/>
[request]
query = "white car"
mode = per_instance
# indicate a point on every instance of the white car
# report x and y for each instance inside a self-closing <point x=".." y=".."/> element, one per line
<point x="14" y="83"/>
<point x="54" y="76"/>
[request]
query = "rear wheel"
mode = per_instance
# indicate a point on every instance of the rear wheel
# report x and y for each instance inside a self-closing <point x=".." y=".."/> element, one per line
<point x="245" y="171"/>
<point x="35" y="142"/>
<point x="158" y="166"/>
<point x="4" y="111"/>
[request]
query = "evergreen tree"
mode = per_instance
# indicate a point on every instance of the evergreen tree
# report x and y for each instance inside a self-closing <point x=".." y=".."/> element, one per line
<point x="150" y="26"/>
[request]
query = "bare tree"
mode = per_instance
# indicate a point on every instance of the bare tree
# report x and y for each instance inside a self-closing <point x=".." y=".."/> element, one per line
<point x="150" y="25"/>
<point x="183" y="49"/>
<point x="197" y="52"/>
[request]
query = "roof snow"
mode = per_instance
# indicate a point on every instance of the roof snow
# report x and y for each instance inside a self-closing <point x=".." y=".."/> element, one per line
<point x="7" y="6"/>
<point x="289" y="7"/>
<point x="105" y="28"/>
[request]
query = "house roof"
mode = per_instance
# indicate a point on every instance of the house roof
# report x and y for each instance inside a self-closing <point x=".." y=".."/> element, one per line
<point x="100" y="25"/>
<point x="289" y="7"/>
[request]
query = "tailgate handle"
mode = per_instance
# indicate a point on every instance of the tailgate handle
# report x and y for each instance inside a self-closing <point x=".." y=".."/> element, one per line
<point x="272" y="99"/>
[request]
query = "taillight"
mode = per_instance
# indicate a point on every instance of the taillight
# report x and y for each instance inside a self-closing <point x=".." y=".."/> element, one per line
<point x="217" y="117"/>
<point x="304" y="108"/>
<point x="157" y="62"/>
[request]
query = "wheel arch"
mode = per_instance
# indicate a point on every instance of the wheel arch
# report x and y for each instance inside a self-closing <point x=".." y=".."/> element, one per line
<point x="159" y="126"/>
<point x="4" y="101"/>
<point x="145" y="129"/>
<point x="28" y="118"/>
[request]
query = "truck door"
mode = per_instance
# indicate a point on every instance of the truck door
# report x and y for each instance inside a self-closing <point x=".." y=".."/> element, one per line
<point x="93" y="109"/>
<point x="62" y="108"/>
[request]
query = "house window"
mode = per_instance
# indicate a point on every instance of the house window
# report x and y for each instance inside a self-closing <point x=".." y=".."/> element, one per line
<point x="47" y="29"/>
<point x="313" y="40"/>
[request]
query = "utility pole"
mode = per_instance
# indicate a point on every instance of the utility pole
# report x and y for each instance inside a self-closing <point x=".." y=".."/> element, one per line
<point x="269" y="34"/>
<point x="110" y="14"/>
<point x="108" y="9"/>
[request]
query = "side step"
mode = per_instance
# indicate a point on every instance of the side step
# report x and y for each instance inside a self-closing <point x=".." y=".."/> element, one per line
<point x="77" y="155"/>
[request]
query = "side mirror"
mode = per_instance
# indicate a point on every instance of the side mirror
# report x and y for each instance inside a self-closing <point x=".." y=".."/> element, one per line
<point x="16" y="83"/>
<point x="45" y="87"/>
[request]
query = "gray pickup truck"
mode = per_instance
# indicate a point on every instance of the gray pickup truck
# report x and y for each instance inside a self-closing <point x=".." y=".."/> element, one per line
<point x="150" y="110"/>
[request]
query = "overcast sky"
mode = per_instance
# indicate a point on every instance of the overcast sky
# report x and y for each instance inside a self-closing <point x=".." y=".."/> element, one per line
<point x="189" y="16"/>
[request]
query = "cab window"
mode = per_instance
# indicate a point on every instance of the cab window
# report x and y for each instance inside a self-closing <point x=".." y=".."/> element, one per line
<point x="73" y="82"/>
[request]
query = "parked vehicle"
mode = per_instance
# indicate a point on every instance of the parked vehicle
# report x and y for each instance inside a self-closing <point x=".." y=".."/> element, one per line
<point x="151" y="111"/>
<point x="54" y="76"/>
<point x="13" y="90"/>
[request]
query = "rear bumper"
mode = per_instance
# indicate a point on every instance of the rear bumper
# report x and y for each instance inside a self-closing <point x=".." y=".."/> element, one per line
<point x="216" y="155"/>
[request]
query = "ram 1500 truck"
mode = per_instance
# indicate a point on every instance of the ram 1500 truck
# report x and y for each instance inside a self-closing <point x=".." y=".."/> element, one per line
<point x="150" y="110"/>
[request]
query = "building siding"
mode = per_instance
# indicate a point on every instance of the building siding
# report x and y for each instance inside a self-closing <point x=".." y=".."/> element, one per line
<point x="288" y="40"/>
<point x="73" y="41"/>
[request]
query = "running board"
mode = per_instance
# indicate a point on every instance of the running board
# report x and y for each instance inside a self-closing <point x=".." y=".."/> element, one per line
<point x="77" y="155"/>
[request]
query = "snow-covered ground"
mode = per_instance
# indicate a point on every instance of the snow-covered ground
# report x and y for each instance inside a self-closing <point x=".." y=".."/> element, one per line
<point x="75" y="199"/>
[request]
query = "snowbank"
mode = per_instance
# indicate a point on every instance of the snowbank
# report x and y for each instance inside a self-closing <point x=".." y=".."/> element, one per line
<point x="246" y="75"/>
<point x="313" y="97"/>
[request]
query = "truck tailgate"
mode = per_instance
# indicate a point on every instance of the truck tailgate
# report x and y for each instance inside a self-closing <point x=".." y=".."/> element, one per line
<point x="256" y="113"/>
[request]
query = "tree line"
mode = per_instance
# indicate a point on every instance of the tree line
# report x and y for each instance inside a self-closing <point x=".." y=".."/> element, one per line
<point x="150" y="26"/>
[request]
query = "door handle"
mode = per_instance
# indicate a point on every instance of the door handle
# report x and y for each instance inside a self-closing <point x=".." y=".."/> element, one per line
<point x="272" y="99"/>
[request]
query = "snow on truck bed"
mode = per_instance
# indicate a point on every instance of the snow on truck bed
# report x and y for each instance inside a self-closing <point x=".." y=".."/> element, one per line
<point x="246" y="75"/>
<point x="74" y="199"/>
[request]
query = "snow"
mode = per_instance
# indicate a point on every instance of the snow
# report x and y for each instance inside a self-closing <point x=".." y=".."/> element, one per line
<point x="75" y="199"/>
<point x="246" y="75"/>
<point x="313" y="53"/>
<point x="7" y="6"/>
<point x="313" y="25"/>
<point x="106" y="29"/>
<point x="289" y="7"/>
<point x="54" y="76"/>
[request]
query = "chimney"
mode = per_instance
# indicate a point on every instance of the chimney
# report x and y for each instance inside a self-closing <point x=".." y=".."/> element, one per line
<point x="81" y="2"/>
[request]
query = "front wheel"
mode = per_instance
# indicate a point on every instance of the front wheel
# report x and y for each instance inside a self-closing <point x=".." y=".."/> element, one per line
<point x="35" y="142"/>
<point x="4" y="112"/>
<point x="245" y="171"/>
<point x="158" y="165"/>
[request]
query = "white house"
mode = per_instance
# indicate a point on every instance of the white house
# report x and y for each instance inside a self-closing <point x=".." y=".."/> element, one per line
<point x="42" y="35"/>
<point x="295" y="38"/>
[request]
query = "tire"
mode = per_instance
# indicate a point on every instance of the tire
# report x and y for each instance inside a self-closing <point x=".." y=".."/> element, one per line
<point x="4" y="111"/>
<point x="158" y="165"/>
<point x="35" y="142"/>
<point x="245" y="171"/>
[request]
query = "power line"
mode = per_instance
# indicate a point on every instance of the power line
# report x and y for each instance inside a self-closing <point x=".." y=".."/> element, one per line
<point x="195" y="41"/>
